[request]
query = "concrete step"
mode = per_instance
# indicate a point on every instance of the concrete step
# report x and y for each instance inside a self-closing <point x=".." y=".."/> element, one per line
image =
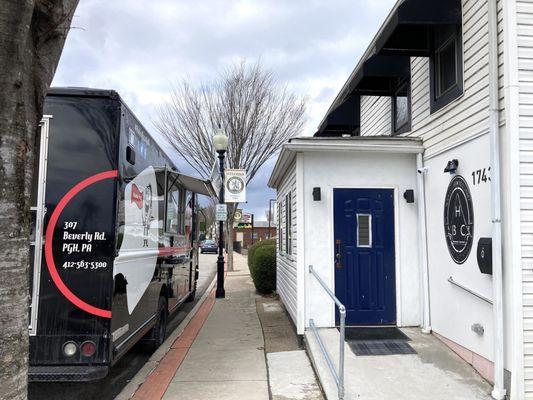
<point x="291" y="376"/>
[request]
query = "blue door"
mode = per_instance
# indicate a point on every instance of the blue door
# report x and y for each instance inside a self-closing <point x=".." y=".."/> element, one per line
<point x="364" y="255"/>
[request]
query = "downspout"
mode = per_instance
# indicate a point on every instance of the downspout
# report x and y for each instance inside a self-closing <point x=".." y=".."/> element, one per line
<point x="422" y="240"/>
<point x="512" y="127"/>
<point x="498" y="391"/>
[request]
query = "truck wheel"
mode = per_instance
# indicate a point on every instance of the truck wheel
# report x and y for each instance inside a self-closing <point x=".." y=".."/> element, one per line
<point x="191" y="297"/>
<point x="159" y="331"/>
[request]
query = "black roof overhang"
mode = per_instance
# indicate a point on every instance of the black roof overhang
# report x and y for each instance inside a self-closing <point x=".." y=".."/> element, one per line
<point x="343" y="120"/>
<point x="406" y="33"/>
<point x="407" y="30"/>
<point x="378" y="76"/>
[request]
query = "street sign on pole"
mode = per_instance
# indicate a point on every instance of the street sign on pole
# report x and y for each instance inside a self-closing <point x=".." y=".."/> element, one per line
<point x="238" y="215"/>
<point x="221" y="212"/>
<point x="215" y="179"/>
<point x="235" y="186"/>
<point x="246" y="218"/>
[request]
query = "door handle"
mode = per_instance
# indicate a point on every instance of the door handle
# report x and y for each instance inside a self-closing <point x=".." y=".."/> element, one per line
<point x="338" y="263"/>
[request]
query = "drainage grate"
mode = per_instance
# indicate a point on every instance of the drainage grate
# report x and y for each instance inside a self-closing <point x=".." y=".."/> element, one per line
<point x="380" y="347"/>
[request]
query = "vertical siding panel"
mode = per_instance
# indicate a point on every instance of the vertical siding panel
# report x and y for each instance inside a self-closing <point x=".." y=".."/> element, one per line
<point x="525" y="76"/>
<point x="466" y="117"/>
<point x="286" y="281"/>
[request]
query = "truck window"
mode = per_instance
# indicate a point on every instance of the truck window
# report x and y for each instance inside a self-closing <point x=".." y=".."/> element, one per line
<point x="175" y="205"/>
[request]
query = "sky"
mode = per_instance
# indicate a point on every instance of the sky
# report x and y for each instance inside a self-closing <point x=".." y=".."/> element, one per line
<point x="142" y="48"/>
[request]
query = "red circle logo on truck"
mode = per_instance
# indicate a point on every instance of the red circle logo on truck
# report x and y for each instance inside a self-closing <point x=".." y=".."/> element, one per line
<point x="48" y="247"/>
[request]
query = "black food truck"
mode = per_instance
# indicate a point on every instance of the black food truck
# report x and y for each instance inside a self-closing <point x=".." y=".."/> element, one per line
<point x="114" y="238"/>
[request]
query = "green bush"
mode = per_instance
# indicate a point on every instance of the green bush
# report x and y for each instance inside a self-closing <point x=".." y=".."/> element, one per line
<point x="263" y="268"/>
<point x="255" y="246"/>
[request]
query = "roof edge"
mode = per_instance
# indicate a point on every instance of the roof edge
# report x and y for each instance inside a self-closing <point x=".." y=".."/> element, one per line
<point x="379" y="144"/>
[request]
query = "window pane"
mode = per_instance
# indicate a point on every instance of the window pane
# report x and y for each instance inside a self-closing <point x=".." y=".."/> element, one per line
<point x="446" y="68"/>
<point x="173" y="217"/>
<point x="364" y="230"/>
<point x="401" y="111"/>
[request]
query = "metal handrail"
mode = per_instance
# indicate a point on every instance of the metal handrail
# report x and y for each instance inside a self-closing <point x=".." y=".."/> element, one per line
<point x="339" y="377"/>
<point x="479" y="296"/>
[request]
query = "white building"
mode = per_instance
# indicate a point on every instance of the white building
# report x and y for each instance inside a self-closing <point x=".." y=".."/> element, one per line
<point x="368" y="203"/>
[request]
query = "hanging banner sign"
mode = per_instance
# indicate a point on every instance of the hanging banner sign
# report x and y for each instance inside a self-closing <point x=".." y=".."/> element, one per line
<point x="235" y="186"/>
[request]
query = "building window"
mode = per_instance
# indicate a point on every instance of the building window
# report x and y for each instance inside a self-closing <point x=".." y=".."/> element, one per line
<point x="401" y="108"/>
<point x="280" y="227"/>
<point x="446" y="66"/>
<point x="288" y="221"/>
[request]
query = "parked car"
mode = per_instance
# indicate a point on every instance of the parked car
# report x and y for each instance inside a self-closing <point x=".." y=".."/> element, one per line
<point x="209" y="246"/>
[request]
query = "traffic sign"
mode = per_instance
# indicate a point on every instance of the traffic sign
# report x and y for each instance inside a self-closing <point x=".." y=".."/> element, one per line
<point x="221" y="212"/>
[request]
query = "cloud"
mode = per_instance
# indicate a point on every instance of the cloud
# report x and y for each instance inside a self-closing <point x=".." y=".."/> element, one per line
<point x="140" y="48"/>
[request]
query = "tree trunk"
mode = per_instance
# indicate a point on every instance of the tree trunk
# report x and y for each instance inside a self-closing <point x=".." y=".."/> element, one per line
<point x="232" y="207"/>
<point x="32" y="35"/>
<point x="230" y="244"/>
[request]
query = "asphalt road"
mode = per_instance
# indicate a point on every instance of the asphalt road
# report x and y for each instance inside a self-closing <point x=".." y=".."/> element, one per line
<point x="121" y="373"/>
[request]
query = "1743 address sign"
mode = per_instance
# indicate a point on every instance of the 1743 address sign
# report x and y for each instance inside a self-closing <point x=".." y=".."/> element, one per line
<point x="458" y="219"/>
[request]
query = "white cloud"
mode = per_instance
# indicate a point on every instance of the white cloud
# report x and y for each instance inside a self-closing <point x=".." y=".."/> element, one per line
<point x="139" y="48"/>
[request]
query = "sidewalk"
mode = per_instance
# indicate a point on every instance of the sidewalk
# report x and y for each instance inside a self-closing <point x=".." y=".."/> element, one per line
<point x="226" y="360"/>
<point x="221" y="352"/>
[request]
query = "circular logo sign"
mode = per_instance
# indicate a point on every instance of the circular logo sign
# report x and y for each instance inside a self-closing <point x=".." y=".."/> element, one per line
<point x="235" y="184"/>
<point x="458" y="219"/>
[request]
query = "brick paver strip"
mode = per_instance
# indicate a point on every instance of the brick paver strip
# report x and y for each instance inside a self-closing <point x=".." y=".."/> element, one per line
<point x="158" y="381"/>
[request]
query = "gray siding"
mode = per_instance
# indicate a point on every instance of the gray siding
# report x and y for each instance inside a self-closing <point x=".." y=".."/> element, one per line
<point x="286" y="282"/>
<point x="525" y="76"/>
<point x="375" y="116"/>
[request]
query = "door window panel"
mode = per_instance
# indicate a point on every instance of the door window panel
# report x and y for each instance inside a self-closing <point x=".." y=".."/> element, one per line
<point x="364" y="230"/>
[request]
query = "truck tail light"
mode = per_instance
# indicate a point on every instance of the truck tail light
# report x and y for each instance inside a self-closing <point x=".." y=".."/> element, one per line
<point x="88" y="348"/>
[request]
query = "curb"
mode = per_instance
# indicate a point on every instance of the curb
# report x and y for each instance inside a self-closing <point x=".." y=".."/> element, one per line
<point x="156" y="359"/>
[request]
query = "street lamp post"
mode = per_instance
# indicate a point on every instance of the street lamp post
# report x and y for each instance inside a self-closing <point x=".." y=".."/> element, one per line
<point x="270" y="215"/>
<point x="220" y="142"/>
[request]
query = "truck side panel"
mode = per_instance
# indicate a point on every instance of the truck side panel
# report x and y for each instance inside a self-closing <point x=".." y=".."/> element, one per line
<point x="76" y="272"/>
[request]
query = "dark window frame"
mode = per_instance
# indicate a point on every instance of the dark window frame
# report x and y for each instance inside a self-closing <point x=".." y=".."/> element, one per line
<point x="288" y="223"/>
<point x="180" y="206"/>
<point x="453" y="36"/>
<point x="280" y="227"/>
<point x="403" y="85"/>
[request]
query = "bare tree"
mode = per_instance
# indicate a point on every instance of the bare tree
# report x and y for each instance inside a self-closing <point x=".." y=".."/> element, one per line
<point x="269" y="215"/>
<point x="32" y="35"/>
<point x="257" y="113"/>
<point x="208" y="213"/>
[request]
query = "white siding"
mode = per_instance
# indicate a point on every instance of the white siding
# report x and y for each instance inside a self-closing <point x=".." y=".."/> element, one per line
<point x="466" y="117"/>
<point x="525" y="76"/>
<point x="286" y="282"/>
<point x="375" y="116"/>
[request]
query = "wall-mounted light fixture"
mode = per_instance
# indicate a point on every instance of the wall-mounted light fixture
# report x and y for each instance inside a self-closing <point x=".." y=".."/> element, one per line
<point x="451" y="167"/>
<point x="409" y="195"/>
<point x="316" y="194"/>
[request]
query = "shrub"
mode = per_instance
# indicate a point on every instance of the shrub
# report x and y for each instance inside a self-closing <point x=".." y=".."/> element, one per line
<point x="254" y="247"/>
<point x="263" y="269"/>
